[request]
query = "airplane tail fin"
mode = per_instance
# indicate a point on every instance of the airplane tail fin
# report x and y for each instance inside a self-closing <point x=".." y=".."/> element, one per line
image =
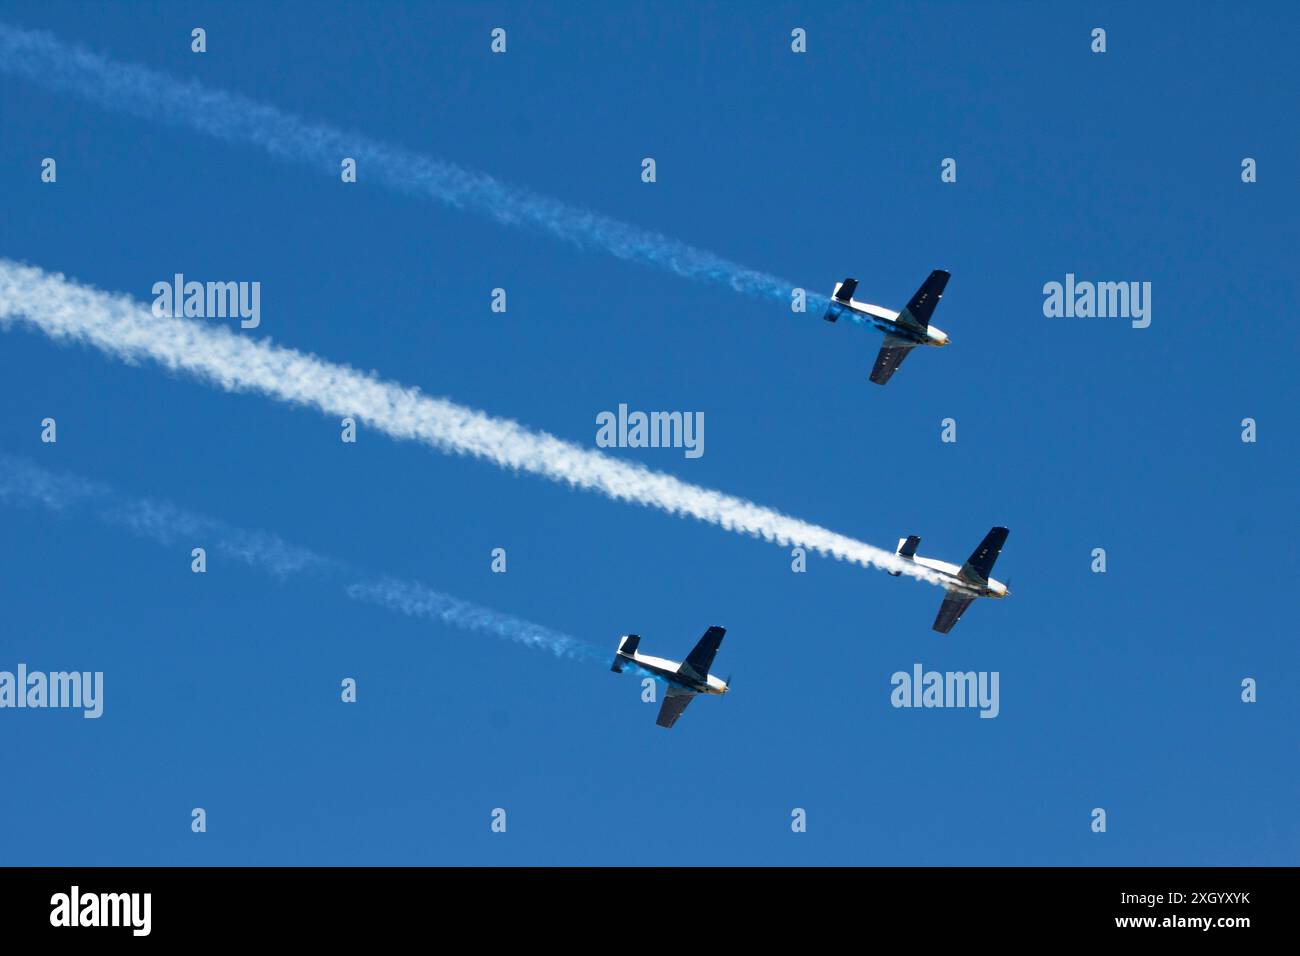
<point x="626" y="647"/>
<point x="842" y="296"/>
<point x="906" y="549"/>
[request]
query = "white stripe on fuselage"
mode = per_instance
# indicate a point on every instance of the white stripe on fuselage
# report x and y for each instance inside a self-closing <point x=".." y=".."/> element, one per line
<point x="661" y="663"/>
<point x="954" y="581"/>
<point x="867" y="308"/>
<point x="669" y="670"/>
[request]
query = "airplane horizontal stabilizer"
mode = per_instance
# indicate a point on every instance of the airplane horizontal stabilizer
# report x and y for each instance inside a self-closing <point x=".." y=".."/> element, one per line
<point x="906" y="549"/>
<point x="842" y="297"/>
<point x="627" y="646"/>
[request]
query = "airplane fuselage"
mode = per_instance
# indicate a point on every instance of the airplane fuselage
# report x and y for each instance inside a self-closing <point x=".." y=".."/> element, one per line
<point x="668" y="671"/>
<point x="886" y="321"/>
<point x="953" y="581"/>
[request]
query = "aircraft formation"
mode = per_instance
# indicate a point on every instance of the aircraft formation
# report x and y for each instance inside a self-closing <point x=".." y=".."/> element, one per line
<point x="189" y="105"/>
<point x="963" y="584"/>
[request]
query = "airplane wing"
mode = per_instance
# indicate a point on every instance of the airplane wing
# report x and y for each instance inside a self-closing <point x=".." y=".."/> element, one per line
<point x="697" y="663"/>
<point x="980" y="565"/>
<point x="674" y="705"/>
<point x="954" y="605"/>
<point x="891" y="356"/>
<point x="921" y="306"/>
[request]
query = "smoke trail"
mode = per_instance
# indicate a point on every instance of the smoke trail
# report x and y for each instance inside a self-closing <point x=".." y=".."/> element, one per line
<point x="128" y="330"/>
<point x="23" y="482"/>
<point x="40" y="57"/>
<point x="416" y="600"/>
<point x="166" y="524"/>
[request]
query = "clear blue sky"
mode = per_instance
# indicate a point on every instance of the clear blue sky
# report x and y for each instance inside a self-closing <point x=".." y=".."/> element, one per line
<point x="1118" y="690"/>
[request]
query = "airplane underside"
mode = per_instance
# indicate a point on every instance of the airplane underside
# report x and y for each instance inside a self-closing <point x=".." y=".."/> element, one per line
<point x="903" y="331"/>
<point x="965" y="588"/>
<point x="965" y="584"/>
<point x="671" y="678"/>
<point x="685" y="680"/>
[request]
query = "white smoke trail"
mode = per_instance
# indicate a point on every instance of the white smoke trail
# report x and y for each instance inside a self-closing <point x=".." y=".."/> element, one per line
<point x="40" y="57"/>
<point x="127" y="329"/>
<point x="166" y="524"/>
<point x="416" y="600"/>
<point x="23" y="482"/>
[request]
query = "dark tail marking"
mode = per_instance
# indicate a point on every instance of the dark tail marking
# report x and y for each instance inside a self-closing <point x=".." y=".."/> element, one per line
<point x="627" y="646"/>
<point x="906" y="549"/>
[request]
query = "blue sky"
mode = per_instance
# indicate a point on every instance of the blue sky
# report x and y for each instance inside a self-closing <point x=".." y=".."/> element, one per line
<point x="1118" y="690"/>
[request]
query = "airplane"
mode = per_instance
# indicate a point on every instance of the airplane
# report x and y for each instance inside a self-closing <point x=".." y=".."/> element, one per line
<point x="963" y="584"/>
<point x="903" y="330"/>
<point x="685" y="680"/>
